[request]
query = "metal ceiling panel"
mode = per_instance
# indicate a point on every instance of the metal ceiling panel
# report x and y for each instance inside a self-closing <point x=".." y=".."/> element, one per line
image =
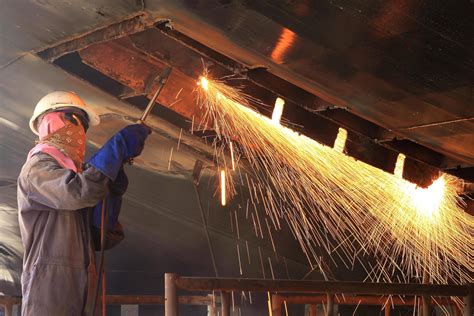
<point x="455" y="140"/>
<point x="394" y="64"/>
<point x="28" y="25"/>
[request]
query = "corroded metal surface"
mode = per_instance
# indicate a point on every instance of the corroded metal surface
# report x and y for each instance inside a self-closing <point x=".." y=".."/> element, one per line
<point x="394" y="64"/>
<point x="133" y="61"/>
<point x="121" y="61"/>
<point x="33" y="25"/>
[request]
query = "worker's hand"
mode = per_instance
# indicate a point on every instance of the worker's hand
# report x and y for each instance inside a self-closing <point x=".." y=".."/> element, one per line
<point x="120" y="185"/>
<point x="134" y="136"/>
<point x="126" y="144"/>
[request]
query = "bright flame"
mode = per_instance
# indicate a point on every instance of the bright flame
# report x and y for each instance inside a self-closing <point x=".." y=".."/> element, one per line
<point x="204" y="83"/>
<point x="399" y="166"/>
<point x="223" y="197"/>
<point x="340" y="142"/>
<point x="278" y="110"/>
<point x="427" y="201"/>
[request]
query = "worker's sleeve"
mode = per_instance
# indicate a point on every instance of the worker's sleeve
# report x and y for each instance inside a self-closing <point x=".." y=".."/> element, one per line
<point x="55" y="187"/>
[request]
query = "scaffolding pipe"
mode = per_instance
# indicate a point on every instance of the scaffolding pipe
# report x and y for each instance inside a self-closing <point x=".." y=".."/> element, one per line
<point x="8" y="310"/>
<point x="174" y="282"/>
<point x="277" y="300"/>
<point x="467" y="310"/>
<point x="171" y="295"/>
<point x="330" y="305"/>
<point x="328" y="287"/>
<point x="425" y="298"/>
<point x="225" y="304"/>
<point x="277" y="309"/>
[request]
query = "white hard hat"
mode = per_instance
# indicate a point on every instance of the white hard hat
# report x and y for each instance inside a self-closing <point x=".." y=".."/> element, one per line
<point x="61" y="99"/>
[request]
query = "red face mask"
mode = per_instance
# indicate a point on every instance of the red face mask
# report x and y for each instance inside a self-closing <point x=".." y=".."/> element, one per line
<point x="70" y="139"/>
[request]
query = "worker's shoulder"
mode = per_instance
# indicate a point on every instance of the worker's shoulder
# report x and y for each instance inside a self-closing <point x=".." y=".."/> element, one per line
<point x="38" y="160"/>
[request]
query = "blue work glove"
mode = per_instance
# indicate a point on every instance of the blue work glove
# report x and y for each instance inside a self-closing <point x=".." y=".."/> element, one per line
<point x="113" y="201"/>
<point x="126" y="144"/>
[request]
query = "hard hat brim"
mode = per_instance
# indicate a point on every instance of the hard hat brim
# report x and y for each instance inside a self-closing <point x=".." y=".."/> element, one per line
<point x="93" y="118"/>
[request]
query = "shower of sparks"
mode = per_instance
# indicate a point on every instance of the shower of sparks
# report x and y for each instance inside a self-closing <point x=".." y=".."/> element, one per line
<point x="248" y="252"/>
<point x="278" y="110"/>
<point x="333" y="203"/>
<point x="271" y="267"/>
<point x="399" y="166"/>
<point x="269" y="304"/>
<point x="240" y="262"/>
<point x="171" y="157"/>
<point x="340" y="142"/>
<point x="232" y="156"/>
<point x="261" y="262"/>
<point x="179" y="138"/>
<point x="237" y="225"/>
<point x="223" y="196"/>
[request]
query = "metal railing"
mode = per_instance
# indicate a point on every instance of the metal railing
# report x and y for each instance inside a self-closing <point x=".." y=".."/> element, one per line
<point x="173" y="283"/>
<point x="8" y="302"/>
<point x="367" y="294"/>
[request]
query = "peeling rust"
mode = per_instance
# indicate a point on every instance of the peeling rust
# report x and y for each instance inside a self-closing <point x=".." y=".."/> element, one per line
<point x="116" y="30"/>
<point x="121" y="61"/>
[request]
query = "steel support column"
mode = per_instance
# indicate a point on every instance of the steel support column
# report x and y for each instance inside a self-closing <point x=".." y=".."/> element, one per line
<point x="171" y="295"/>
<point x="225" y="304"/>
<point x="8" y="310"/>
<point x="425" y="298"/>
<point x="467" y="309"/>
<point x="330" y="305"/>
<point x="276" y="305"/>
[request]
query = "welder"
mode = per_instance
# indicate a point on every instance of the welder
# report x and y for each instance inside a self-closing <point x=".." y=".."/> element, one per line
<point x="58" y="194"/>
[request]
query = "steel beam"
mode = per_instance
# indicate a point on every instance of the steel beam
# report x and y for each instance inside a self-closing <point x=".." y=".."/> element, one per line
<point x="155" y="300"/>
<point x="135" y="60"/>
<point x="196" y="53"/>
<point x="119" y="29"/>
<point x="152" y="48"/>
<point x="322" y="124"/>
<point x="355" y="300"/>
<point x="122" y="62"/>
<point x="330" y="287"/>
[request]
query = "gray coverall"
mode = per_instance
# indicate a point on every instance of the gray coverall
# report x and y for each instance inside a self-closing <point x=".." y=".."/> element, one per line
<point x="54" y="205"/>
